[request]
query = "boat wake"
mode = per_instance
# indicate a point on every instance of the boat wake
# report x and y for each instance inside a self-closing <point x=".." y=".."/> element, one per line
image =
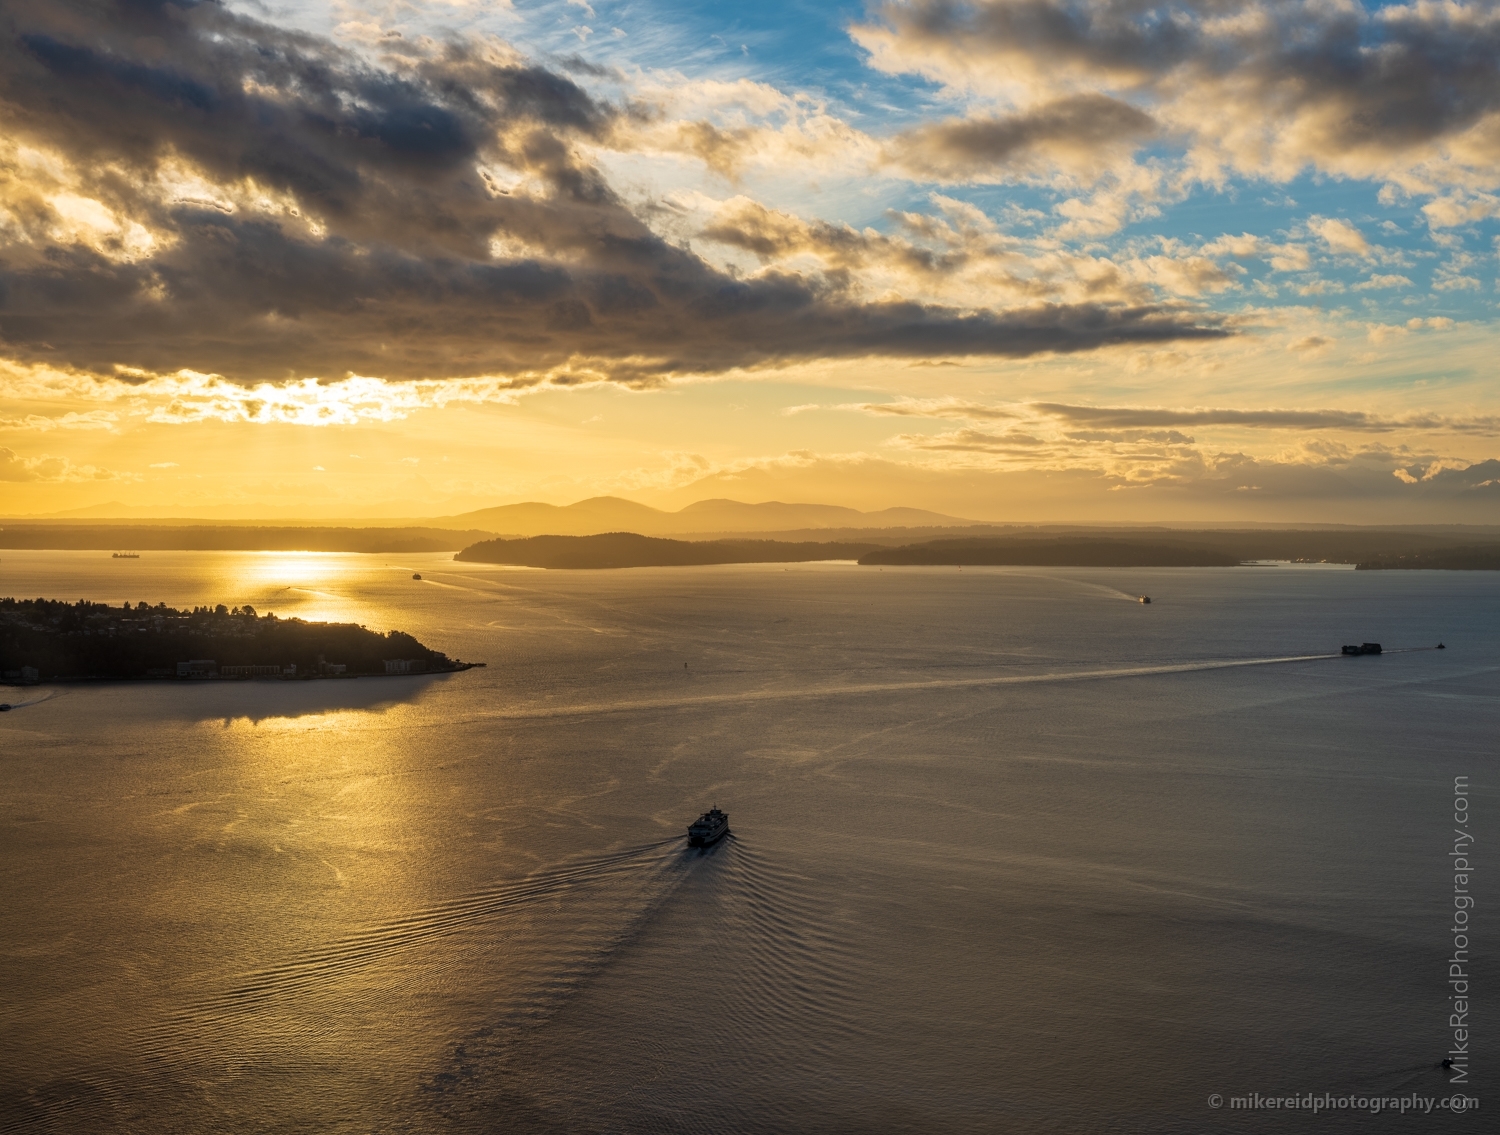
<point x="742" y="975"/>
<point x="859" y="689"/>
<point x="48" y="696"/>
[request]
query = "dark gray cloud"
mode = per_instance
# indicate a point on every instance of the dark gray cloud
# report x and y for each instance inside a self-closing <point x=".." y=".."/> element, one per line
<point x="1357" y="421"/>
<point x="1359" y="81"/>
<point x="1155" y="437"/>
<point x="424" y="260"/>
<point x="1069" y="131"/>
<point x="1153" y="423"/>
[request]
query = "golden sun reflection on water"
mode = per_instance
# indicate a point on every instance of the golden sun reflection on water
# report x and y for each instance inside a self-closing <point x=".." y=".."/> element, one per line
<point x="305" y="585"/>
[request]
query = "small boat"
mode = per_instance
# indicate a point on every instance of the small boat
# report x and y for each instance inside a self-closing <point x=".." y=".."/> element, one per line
<point x="126" y="556"/>
<point x="4" y="707"/>
<point x="1363" y="648"/>
<point x="1145" y="599"/>
<point x="416" y="575"/>
<point x="708" y="828"/>
<point x="1440" y="646"/>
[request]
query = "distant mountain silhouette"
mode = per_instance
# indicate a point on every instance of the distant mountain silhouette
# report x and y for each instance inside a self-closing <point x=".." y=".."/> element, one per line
<point x="612" y="514"/>
<point x="585" y="518"/>
<point x="630" y="549"/>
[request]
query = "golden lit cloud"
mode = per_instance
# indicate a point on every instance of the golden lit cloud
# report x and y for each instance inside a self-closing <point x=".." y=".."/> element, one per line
<point x="18" y="469"/>
<point x="1025" y="240"/>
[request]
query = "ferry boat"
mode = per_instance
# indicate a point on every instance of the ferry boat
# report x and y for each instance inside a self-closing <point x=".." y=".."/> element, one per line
<point x="1145" y="599"/>
<point x="1363" y="648"/>
<point x="708" y="828"/>
<point x="126" y="556"/>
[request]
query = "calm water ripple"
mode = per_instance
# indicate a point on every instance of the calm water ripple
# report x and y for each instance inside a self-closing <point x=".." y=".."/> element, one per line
<point x="1009" y="853"/>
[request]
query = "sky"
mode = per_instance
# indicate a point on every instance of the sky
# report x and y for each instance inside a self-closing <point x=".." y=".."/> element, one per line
<point x="1013" y="260"/>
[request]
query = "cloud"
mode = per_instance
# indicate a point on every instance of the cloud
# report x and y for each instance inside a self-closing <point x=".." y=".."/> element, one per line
<point x="935" y="408"/>
<point x="975" y="473"/>
<point x="1355" y="421"/>
<point x="1309" y="344"/>
<point x="1156" y="437"/>
<point x="1460" y="209"/>
<point x="1216" y="488"/>
<point x="261" y="204"/>
<point x="1134" y="419"/>
<point x="975" y="441"/>
<point x="1190" y="275"/>
<point x="1080" y="132"/>
<point x="735" y="127"/>
<point x="1339" y="236"/>
<point x="956" y="254"/>
<point x="17" y="469"/>
<point x="73" y="420"/>
<point x="1402" y="93"/>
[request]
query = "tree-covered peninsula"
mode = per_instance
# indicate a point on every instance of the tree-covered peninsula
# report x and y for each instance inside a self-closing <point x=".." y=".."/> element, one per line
<point x="1066" y="551"/>
<point x="1482" y="557"/>
<point x="47" y="639"/>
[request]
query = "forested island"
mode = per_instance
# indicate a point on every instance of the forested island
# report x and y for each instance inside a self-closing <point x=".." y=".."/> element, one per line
<point x="1066" y="551"/>
<point x="1479" y="558"/>
<point x="627" y="549"/>
<point x="1366" y="548"/>
<point x="49" y="639"/>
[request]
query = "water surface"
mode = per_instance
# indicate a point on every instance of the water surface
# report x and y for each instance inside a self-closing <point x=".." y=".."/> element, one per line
<point x="1011" y="852"/>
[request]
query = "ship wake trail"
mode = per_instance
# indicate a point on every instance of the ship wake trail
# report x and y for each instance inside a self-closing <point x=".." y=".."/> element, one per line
<point x="307" y="1008"/>
<point x="791" y="993"/>
<point x="861" y="689"/>
<point x="743" y="977"/>
<point x="48" y="696"/>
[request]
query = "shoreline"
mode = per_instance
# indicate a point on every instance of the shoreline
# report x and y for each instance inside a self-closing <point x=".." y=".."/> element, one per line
<point x="214" y="679"/>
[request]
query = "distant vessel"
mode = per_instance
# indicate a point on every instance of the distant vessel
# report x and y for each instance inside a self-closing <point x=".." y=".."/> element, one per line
<point x="708" y="828"/>
<point x="417" y="575"/>
<point x="1145" y="598"/>
<point x="4" y="707"/>
<point x="126" y="556"/>
<point x="1363" y="648"/>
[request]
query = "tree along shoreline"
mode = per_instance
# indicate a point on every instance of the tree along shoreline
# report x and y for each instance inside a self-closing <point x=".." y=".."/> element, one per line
<point x="1112" y="548"/>
<point x="1472" y="558"/>
<point x="1066" y="551"/>
<point x="49" y="640"/>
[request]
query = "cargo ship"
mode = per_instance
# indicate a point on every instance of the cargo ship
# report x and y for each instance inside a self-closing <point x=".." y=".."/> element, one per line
<point x="708" y="828"/>
<point x="1363" y="648"/>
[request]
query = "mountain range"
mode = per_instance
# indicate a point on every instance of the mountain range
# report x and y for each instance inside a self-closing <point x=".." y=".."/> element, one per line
<point x="612" y="514"/>
<point x="584" y="518"/>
